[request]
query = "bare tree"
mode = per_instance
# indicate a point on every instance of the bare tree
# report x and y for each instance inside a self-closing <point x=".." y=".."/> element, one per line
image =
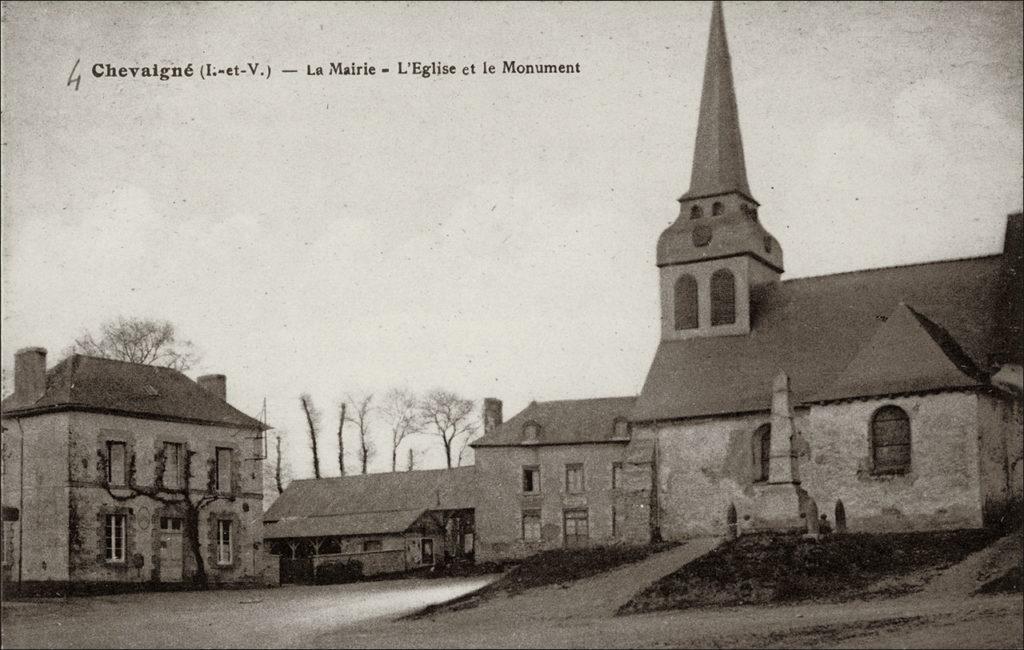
<point x="411" y="462"/>
<point x="189" y="502"/>
<point x="449" y="417"/>
<point x="313" y="422"/>
<point x="362" y="409"/>
<point x="401" y="412"/>
<point x="341" y="440"/>
<point x="466" y="455"/>
<point x="138" y="340"/>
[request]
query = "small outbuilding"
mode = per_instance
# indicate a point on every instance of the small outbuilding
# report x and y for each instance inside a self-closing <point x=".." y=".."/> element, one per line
<point x="388" y="523"/>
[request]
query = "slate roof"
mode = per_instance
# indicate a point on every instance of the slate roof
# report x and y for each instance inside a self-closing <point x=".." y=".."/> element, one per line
<point x="368" y="503"/>
<point x="563" y="422"/>
<point x="84" y="383"/>
<point x="815" y="328"/>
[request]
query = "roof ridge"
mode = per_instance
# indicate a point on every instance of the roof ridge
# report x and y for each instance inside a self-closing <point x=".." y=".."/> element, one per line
<point x="358" y="476"/>
<point x="888" y="268"/>
<point x="130" y="363"/>
<point x="584" y="399"/>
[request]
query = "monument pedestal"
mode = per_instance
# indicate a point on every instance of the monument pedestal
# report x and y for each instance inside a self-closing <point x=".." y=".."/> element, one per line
<point x="779" y="507"/>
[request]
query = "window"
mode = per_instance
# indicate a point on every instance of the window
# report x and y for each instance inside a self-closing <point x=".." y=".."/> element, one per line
<point x="173" y="456"/>
<point x="577" y="529"/>
<point x="531" y="431"/>
<point x="116" y="458"/>
<point x="616" y="476"/>
<point x="686" y="303"/>
<point x="224" y="549"/>
<point x="574" y="478"/>
<point x="222" y="473"/>
<point x="170" y="524"/>
<point x="761" y="448"/>
<point x="890" y="440"/>
<point x="621" y="428"/>
<point x="717" y="208"/>
<point x="115" y="537"/>
<point x="372" y="545"/>
<point x="723" y="297"/>
<point x="696" y="212"/>
<point x="531" y="526"/>
<point x="531" y="480"/>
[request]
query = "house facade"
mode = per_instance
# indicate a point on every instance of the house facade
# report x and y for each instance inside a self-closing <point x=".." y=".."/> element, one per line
<point x="387" y="522"/>
<point x="871" y="397"/>
<point x="117" y="472"/>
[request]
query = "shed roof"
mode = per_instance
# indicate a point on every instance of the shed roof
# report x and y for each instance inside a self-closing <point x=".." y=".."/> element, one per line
<point x="87" y="383"/>
<point x="563" y="422"/>
<point x="814" y="329"/>
<point x="367" y="503"/>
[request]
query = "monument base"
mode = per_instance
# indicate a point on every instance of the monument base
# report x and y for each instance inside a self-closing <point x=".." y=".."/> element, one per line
<point x="779" y="508"/>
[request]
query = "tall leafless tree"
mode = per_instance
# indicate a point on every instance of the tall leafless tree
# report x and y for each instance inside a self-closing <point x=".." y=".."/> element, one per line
<point x="402" y="415"/>
<point x="139" y="340"/>
<point x="341" y="440"/>
<point x="313" y="422"/>
<point x="450" y="418"/>
<point x="362" y="408"/>
<point x="278" y="478"/>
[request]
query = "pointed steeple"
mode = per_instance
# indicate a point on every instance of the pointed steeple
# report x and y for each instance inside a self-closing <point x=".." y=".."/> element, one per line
<point x="718" y="165"/>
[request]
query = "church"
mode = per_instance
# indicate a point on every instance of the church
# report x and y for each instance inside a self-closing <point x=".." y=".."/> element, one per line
<point x="876" y="399"/>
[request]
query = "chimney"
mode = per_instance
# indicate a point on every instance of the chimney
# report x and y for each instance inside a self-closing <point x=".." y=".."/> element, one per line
<point x="492" y="414"/>
<point x="29" y="374"/>
<point x="214" y="384"/>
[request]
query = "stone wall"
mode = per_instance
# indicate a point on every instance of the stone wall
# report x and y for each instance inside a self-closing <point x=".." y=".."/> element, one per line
<point x="39" y="488"/>
<point x="90" y="502"/>
<point x="501" y="499"/>
<point x="704" y="465"/>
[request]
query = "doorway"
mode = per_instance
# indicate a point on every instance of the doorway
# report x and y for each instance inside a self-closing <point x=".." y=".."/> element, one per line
<point x="171" y="549"/>
<point x="427" y="551"/>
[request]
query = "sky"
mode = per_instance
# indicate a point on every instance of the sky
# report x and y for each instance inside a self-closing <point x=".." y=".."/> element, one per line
<point x="489" y="234"/>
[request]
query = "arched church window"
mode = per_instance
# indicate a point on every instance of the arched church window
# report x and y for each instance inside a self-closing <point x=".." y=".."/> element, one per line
<point x="717" y="208"/>
<point x="686" y="303"/>
<point x="761" y="451"/>
<point x="890" y="440"/>
<point x="696" y="212"/>
<point x="723" y="297"/>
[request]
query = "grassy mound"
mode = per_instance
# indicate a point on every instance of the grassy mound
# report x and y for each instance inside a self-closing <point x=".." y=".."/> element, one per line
<point x="759" y="569"/>
<point x="1011" y="582"/>
<point x="558" y="566"/>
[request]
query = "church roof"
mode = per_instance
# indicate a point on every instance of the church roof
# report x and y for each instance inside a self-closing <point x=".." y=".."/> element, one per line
<point x="563" y="422"/>
<point x="718" y="165"/>
<point x="832" y="335"/>
<point x="84" y="383"/>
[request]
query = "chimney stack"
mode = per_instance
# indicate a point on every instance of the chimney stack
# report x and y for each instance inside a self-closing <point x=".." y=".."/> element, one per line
<point x="215" y="385"/>
<point x="492" y="414"/>
<point x="29" y="374"/>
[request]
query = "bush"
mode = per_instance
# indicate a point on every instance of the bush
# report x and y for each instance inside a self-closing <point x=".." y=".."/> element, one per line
<point x="333" y="573"/>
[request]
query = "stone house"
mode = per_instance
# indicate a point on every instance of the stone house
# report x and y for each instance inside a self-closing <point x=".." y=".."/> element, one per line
<point x="97" y="458"/>
<point x="868" y="396"/>
<point x="387" y="522"/>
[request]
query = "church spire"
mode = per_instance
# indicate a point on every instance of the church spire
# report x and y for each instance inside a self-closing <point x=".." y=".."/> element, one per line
<point x="718" y="165"/>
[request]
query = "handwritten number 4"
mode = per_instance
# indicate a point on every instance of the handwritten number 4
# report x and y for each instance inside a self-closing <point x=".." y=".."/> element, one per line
<point x="76" y="79"/>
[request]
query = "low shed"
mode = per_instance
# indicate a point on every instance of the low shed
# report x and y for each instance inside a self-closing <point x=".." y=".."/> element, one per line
<point x="387" y="522"/>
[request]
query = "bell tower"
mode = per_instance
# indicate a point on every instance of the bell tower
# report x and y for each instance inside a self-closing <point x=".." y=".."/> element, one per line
<point x="716" y="255"/>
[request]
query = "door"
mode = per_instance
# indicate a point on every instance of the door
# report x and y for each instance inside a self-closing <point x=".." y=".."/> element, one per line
<point x="427" y="551"/>
<point x="171" y="549"/>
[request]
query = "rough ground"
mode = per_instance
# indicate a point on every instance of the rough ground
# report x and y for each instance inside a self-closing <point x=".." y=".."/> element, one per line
<point x="772" y="569"/>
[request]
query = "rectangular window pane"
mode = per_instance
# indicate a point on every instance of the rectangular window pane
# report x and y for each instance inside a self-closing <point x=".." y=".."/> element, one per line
<point x="574" y="478"/>
<point x="115" y="463"/>
<point x="531" y="479"/>
<point x="372" y="545"/>
<point x="224" y="542"/>
<point x="172" y="465"/>
<point x="223" y="469"/>
<point x="114" y="538"/>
